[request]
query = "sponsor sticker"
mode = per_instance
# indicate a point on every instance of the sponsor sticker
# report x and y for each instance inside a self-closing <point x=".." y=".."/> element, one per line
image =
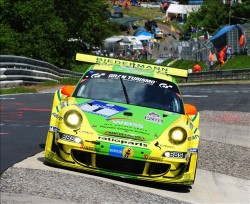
<point x="127" y="123"/>
<point x="128" y="152"/>
<point x="116" y="151"/>
<point x="53" y="128"/>
<point x="165" y="86"/>
<point x="123" y="141"/>
<point x="132" y="78"/>
<point x="153" y="117"/>
<point x="194" y="137"/>
<point x="101" y="108"/>
<point x="97" y="75"/>
<point x="153" y="158"/>
<point x="57" y="116"/>
<point x="193" y="150"/>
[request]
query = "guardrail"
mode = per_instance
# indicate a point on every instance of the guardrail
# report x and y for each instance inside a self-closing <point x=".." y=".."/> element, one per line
<point x="218" y="75"/>
<point x="16" y="71"/>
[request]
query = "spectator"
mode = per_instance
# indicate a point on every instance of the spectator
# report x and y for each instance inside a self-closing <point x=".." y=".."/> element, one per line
<point x="242" y="42"/>
<point x="197" y="68"/>
<point x="205" y="36"/>
<point x="222" y="57"/>
<point x="228" y="51"/>
<point x="211" y="59"/>
<point x="158" y="45"/>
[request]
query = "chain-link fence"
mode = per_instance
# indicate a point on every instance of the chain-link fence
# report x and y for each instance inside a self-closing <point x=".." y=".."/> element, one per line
<point x="198" y="50"/>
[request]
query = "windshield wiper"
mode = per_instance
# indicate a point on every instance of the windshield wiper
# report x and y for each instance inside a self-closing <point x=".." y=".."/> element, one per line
<point x="125" y="91"/>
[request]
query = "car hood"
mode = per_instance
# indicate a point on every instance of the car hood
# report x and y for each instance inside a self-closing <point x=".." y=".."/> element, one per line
<point x="126" y="121"/>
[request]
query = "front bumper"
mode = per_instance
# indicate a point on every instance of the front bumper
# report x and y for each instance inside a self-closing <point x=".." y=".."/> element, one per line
<point x="95" y="162"/>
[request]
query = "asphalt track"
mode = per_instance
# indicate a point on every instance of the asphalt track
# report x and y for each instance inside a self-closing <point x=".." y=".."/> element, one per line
<point x="29" y="115"/>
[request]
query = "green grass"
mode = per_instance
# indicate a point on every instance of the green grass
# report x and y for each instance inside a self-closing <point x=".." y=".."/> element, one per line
<point x="68" y="81"/>
<point x="188" y="64"/>
<point x="17" y="90"/>
<point x="32" y="89"/>
<point x="237" y="62"/>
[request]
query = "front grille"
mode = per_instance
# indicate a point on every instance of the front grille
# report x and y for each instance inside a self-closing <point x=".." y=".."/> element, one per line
<point x="120" y="165"/>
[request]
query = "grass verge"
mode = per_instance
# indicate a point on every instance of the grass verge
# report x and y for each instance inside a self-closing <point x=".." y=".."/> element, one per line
<point x="39" y="87"/>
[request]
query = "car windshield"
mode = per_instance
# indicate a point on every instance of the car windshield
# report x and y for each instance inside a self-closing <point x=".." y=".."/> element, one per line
<point x="134" y="90"/>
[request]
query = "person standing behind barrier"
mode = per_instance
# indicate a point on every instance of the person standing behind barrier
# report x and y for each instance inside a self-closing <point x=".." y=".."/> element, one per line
<point x="242" y="43"/>
<point x="197" y="68"/>
<point x="158" y="44"/>
<point x="210" y="60"/>
<point x="228" y="51"/>
<point x="221" y="57"/>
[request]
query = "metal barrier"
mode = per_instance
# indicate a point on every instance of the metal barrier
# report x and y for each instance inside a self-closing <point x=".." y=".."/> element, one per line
<point x="16" y="71"/>
<point x="235" y="74"/>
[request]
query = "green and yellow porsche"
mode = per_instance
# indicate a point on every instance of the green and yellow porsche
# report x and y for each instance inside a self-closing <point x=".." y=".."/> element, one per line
<point x="125" y="119"/>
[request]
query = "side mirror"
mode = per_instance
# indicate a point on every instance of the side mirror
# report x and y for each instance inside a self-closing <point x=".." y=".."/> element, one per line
<point x="67" y="90"/>
<point x="190" y="109"/>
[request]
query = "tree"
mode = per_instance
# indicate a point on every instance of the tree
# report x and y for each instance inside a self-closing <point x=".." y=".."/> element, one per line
<point x="34" y="29"/>
<point x="86" y="21"/>
<point x="240" y="12"/>
<point x="183" y="2"/>
<point x="214" y="14"/>
<point x="42" y="29"/>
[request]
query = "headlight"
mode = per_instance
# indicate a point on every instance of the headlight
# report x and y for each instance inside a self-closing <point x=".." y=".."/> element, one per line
<point x="73" y="119"/>
<point x="177" y="135"/>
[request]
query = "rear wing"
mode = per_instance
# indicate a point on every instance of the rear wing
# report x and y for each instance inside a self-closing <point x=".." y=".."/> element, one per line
<point x="105" y="60"/>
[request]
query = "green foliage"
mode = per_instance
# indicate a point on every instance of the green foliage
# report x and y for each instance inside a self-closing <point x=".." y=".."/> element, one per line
<point x="214" y="14"/>
<point x="188" y="64"/>
<point x="8" y="40"/>
<point x="42" y="29"/>
<point x="237" y="62"/>
<point x="64" y="81"/>
<point x="80" y="67"/>
<point x="240" y="13"/>
<point x="34" y="29"/>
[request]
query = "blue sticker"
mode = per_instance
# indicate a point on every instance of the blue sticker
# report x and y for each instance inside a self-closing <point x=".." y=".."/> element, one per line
<point x="54" y="129"/>
<point x="115" y="151"/>
<point x="193" y="150"/>
<point x="101" y="108"/>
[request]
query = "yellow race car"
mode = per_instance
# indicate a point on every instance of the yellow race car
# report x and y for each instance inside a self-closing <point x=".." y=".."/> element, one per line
<point x="125" y="119"/>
